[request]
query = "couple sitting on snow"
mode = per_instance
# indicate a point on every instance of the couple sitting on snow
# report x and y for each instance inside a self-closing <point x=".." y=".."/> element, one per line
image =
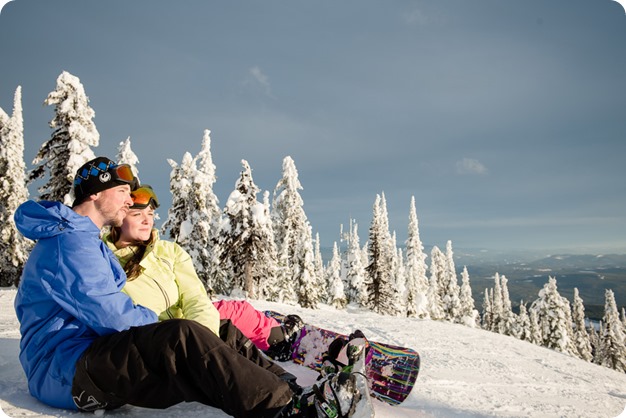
<point x="94" y="339"/>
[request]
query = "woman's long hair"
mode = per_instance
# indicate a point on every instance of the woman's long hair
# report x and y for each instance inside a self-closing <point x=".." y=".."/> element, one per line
<point x="132" y="266"/>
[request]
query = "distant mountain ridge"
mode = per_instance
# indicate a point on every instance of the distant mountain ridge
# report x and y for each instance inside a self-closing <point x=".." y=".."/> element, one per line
<point x="585" y="261"/>
<point x="591" y="274"/>
<point x="528" y="271"/>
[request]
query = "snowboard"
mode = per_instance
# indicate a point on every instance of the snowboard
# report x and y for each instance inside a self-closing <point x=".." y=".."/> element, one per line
<point x="391" y="370"/>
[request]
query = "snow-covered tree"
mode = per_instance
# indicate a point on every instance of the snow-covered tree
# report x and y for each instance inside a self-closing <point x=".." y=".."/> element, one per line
<point x="487" y="320"/>
<point x="437" y="268"/>
<point x="336" y="294"/>
<point x="267" y="264"/>
<point x="195" y="215"/>
<point x="415" y="269"/>
<point x="435" y="306"/>
<point x="497" y="308"/>
<point x="203" y="216"/>
<point x="293" y="233"/>
<point x="355" y="274"/>
<point x="14" y="247"/>
<point x="244" y="237"/>
<point x="285" y="291"/>
<point x="399" y="282"/>
<point x="468" y="315"/>
<point x="612" y="350"/>
<point x="317" y="257"/>
<point x="450" y="295"/>
<point x="181" y="183"/>
<point x="581" y="337"/>
<point x="379" y="281"/>
<point x="594" y="340"/>
<point x="69" y="147"/>
<point x="535" y="335"/>
<point x="507" y="319"/>
<point x="554" y="316"/>
<point x="125" y="155"/>
<point x="522" y="327"/>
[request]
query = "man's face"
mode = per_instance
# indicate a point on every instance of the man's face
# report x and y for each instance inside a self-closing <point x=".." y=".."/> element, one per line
<point x="113" y="204"/>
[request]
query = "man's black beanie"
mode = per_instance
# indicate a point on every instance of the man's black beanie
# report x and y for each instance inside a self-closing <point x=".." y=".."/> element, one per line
<point x="94" y="177"/>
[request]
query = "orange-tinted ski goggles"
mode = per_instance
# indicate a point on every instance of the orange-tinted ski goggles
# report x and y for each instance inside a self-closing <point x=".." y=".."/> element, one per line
<point x="144" y="196"/>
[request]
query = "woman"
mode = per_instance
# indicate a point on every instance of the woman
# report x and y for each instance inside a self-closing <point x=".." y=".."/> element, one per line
<point x="161" y="277"/>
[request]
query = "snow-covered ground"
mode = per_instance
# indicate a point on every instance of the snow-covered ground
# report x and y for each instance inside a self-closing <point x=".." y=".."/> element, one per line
<point x="465" y="372"/>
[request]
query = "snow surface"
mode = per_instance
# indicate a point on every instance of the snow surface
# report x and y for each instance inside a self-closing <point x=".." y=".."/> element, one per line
<point x="465" y="372"/>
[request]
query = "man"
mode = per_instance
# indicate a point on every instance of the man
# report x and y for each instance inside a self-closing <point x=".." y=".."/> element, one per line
<point x="86" y="346"/>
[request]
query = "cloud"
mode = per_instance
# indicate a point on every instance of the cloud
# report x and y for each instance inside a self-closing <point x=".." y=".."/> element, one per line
<point x="470" y="166"/>
<point x="258" y="78"/>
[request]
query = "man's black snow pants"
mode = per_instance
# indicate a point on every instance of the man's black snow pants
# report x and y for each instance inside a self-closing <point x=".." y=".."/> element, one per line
<point x="162" y="364"/>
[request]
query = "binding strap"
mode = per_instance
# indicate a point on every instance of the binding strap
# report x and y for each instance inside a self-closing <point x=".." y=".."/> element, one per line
<point x="327" y="409"/>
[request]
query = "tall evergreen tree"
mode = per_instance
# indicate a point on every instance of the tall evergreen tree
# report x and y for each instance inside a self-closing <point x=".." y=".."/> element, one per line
<point x="435" y="293"/>
<point x="415" y="269"/>
<point x="356" y="274"/>
<point x="125" y="155"/>
<point x="244" y="238"/>
<point x="594" y="340"/>
<point x="507" y="320"/>
<point x="379" y="280"/>
<point x="267" y="265"/>
<point x="336" y="294"/>
<point x="451" y="302"/>
<point x="317" y="257"/>
<point x="399" y="283"/>
<point x="286" y="286"/>
<point x="203" y="216"/>
<point x="195" y="215"/>
<point x="487" y="319"/>
<point x="293" y="233"/>
<point x="612" y="350"/>
<point x="467" y="313"/>
<point x="522" y="329"/>
<point x="535" y="335"/>
<point x="581" y="337"/>
<point x="435" y="305"/>
<point x="69" y="147"/>
<point x="180" y="186"/>
<point x="554" y="316"/>
<point x="14" y="248"/>
<point x="497" y="308"/>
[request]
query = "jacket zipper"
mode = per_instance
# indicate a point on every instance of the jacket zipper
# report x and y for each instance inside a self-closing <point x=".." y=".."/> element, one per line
<point x="167" y="300"/>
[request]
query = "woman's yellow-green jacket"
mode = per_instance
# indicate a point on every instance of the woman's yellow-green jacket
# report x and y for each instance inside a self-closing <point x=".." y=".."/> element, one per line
<point x="168" y="283"/>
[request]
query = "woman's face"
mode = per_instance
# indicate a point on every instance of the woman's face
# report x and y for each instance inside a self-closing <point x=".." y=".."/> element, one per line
<point x="137" y="225"/>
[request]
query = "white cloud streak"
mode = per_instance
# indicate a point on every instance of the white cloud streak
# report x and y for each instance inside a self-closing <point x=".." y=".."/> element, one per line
<point x="470" y="166"/>
<point x="259" y="78"/>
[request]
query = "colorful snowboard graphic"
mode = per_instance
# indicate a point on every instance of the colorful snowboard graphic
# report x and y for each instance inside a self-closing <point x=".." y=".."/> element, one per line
<point x="391" y="370"/>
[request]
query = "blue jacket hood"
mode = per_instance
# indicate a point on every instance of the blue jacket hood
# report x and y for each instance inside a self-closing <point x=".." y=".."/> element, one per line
<point x="36" y="220"/>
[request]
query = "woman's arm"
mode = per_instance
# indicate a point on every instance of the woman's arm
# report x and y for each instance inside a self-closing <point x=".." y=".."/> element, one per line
<point x="193" y="298"/>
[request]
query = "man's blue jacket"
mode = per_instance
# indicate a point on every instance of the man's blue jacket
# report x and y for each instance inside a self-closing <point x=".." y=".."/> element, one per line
<point x="68" y="296"/>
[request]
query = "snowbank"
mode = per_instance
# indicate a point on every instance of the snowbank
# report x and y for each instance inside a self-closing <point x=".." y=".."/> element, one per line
<point x="465" y="372"/>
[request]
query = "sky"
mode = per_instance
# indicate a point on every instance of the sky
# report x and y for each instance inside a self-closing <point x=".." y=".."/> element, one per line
<point x="505" y="120"/>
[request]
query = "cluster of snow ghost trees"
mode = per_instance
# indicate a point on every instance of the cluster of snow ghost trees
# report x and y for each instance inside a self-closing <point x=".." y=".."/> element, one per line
<point x="552" y="322"/>
<point x="14" y="248"/>
<point x="265" y="249"/>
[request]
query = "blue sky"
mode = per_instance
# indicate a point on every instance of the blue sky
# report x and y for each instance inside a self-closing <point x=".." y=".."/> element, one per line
<point x="506" y="120"/>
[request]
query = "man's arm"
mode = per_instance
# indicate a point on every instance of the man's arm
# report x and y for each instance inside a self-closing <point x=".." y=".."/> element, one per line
<point x="84" y="285"/>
